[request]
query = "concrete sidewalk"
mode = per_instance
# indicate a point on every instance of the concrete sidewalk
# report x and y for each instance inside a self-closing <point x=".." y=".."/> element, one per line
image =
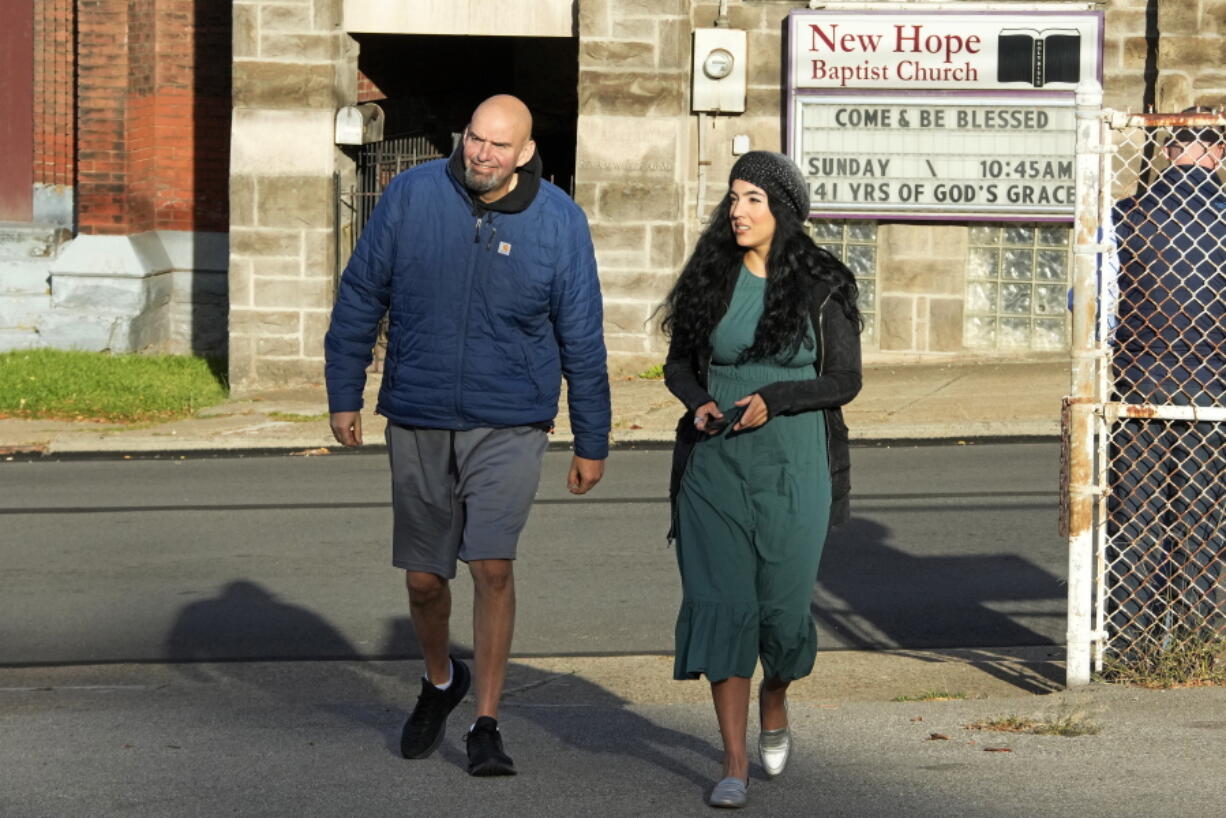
<point x="898" y="403"/>
<point x="321" y="739"/>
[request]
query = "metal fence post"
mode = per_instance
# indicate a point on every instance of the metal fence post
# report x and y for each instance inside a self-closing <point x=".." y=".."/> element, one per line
<point x="1084" y="377"/>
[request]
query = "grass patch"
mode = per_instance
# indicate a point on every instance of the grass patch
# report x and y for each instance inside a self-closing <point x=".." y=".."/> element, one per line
<point x="293" y="417"/>
<point x="931" y="696"/>
<point x="75" y="385"/>
<point x="1067" y="726"/>
<point x="652" y="373"/>
<point x="1194" y="657"/>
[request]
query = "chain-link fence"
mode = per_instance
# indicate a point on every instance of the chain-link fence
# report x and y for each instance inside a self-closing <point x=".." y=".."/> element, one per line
<point x="1147" y="449"/>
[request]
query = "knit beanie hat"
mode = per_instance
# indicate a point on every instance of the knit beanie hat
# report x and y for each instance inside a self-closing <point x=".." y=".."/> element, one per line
<point x="777" y="175"/>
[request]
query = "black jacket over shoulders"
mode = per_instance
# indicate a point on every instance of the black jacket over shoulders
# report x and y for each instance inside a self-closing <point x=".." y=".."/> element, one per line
<point x="836" y="381"/>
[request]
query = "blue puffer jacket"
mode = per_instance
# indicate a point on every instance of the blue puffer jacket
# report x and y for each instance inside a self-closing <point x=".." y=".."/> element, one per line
<point x="488" y="309"/>
<point x="1171" y="339"/>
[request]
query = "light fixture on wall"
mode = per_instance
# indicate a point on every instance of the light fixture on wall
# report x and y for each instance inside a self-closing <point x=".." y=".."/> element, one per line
<point x="359" y="124"/>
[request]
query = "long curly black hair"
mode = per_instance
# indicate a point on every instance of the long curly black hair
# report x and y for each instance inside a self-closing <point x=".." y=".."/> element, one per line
<point x="794" y="265"/>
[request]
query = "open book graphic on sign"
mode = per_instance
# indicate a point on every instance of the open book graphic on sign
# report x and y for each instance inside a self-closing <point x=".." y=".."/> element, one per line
<point x="1039" y="57"/>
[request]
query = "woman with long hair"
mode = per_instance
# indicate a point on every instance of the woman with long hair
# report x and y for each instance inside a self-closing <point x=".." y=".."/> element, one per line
<point x="764" y="348"/>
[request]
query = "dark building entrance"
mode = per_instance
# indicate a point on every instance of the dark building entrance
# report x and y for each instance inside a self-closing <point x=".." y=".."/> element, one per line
<point x="428" y="85"/>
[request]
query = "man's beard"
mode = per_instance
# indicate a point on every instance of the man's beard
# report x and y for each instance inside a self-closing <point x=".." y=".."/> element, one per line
<point x="481" y="184"/>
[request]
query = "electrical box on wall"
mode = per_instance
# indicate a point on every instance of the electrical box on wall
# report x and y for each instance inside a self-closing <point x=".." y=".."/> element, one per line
<point x="719" y="70"/>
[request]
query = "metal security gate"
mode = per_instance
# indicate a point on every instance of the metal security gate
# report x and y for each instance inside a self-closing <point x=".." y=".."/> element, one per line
<point x="377" y="164"/>
<point x="1145" y="427"/>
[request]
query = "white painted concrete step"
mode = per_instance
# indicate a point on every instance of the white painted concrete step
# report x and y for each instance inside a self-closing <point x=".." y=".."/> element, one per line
<point x="15" y="339"/>
<point x="64" y="328"/>
<point x="28" y="277"/>
<point x="20" y="240"/>
<point x="19" y="310"/>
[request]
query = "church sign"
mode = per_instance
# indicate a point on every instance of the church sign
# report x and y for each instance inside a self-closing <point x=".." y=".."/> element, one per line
<point x="929" y="115"/>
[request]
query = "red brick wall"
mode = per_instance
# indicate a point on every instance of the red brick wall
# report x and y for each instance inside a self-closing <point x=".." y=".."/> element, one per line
<point x="368" y="90"/>
<point x="154" y="115"/>
<point x="54" y="87"/>
<point x="102" y="63"/>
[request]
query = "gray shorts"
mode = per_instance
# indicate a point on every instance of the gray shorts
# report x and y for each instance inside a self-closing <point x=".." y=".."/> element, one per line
<point x="460" y="494"/>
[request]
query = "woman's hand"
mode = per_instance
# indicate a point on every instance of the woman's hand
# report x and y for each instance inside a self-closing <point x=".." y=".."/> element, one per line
<point x="755" y="413"/>
<point x="704" y="413"/>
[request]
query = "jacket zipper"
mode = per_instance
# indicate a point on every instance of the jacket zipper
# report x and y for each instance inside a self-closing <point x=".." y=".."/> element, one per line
<point x="468" y="297"/>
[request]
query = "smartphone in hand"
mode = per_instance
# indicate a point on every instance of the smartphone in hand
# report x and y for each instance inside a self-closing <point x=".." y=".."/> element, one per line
<point x="732" y="414"/>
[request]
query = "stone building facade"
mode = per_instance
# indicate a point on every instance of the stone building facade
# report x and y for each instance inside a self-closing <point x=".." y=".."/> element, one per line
<point x="125" y="231"/>
<point x="293" y="68"/>
<point x="932" y="291"/>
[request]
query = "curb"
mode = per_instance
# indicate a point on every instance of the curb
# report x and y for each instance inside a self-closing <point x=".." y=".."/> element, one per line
<point x="31" y="454"/>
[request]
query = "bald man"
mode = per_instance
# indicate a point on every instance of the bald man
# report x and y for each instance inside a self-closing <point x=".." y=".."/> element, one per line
<point x="489" y="280"/>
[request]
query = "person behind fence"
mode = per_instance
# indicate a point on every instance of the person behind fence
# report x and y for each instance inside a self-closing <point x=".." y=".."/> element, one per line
<point x="488" y="277"/>
<point x="1168" y="505"/>
<point x="764" y="349"/>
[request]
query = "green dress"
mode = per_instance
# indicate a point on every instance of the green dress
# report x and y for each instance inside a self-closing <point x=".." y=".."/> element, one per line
<point x="753" y="511"/>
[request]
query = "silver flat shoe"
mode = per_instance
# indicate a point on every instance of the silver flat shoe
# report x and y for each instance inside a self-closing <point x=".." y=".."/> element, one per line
<point x="731" y="793"/>
<point x="774" y="746"/>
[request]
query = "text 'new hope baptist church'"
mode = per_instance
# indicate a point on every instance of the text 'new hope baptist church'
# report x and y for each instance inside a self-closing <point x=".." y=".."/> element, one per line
<point x="905" y="48"/>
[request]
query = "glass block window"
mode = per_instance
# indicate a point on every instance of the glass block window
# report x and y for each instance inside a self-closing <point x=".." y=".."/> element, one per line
<point x="855" y="244"/>
<point x="1017" y="280"/>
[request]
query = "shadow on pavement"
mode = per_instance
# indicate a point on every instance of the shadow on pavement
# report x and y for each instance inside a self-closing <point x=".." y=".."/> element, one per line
<point x="874" y="596"/>
<point x="247" y="623"/>
<point x="212" y="638"/>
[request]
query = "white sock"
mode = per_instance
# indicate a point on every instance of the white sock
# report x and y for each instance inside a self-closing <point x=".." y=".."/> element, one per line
<point x="447" y="684"/>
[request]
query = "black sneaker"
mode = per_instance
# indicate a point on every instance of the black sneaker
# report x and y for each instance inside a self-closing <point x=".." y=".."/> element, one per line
<point x="485" y="753"/>
<point x="427" y="724"/>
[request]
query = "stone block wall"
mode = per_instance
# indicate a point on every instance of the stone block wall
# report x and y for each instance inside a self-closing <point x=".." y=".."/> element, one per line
<point x="637" y="164"/>
<point x="1186" y="44"/>
<point x="1182" y="42"/>
<point x="632" y="160"/>
<point x="293" y="67"/>
<point x="921" y="285"/>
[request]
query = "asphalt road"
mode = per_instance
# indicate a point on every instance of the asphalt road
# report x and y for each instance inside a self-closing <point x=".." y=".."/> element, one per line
<point x="286" y="557"/>
<point x="281" y="558"/>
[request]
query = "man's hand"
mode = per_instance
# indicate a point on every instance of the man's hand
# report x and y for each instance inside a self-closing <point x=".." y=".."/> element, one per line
<point x="583" y="474"/>
<point x="347" y="428"/>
